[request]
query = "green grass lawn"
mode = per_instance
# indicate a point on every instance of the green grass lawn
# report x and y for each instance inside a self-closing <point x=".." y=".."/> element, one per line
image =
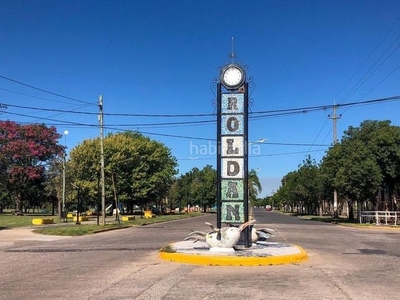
<point x="340" y="221"/>
<point x="8" y="220"/>
<point x="71" y="229"/>
<point x="76" y="230"/>
<point x="345" y="222"/>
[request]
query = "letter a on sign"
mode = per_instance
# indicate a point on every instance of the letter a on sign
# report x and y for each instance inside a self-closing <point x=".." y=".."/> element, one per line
<point x="232" y="190"/>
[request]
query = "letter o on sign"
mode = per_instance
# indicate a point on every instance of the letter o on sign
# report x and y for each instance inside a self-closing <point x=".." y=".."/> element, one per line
<point x="232" y="124"/>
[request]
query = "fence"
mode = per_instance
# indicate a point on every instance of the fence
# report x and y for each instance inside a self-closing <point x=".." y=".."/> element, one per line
<point x="380" y="217"/>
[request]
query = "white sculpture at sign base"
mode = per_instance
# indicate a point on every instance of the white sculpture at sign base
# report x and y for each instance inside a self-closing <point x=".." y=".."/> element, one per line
<point x="224" y="239"/>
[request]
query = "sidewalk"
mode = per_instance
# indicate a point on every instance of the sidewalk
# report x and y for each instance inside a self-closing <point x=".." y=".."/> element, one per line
<point x="261" y="253"/>
<point x="10" y="235"/>
<point x="13" y="234"/>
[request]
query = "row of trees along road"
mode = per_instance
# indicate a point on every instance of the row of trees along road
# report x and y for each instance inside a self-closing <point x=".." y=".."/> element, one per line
<point x="194" y="188"/>
<point x="364" y="168"/>
<point x="199" y="188"/>
<point x="137" y="169"/>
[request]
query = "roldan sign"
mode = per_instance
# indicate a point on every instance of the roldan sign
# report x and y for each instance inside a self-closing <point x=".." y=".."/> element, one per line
<point x="232" y="139"/>
<point x="233" y="158"/>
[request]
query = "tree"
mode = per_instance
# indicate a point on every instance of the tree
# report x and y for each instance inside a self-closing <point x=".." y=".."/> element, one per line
<point x="309" y="186"/>
<point x="53" y="184"/>
<point x="287" y="195"/>
<point x="365" y="161"/>
<point x="383" y="141"/>
<point x="196" y="187"/>
<point x="83" y="166"/>
<point x="358" y="175"/>
<point x="24" y="152"/>
<point x="142" y="169"/>
<point x="254" y="186"/>
<point x="173" y="195"/>
<point x="206" y="187"/>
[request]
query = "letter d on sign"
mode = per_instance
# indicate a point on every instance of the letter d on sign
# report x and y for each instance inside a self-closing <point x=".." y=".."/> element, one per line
<point x="233" y="168"/>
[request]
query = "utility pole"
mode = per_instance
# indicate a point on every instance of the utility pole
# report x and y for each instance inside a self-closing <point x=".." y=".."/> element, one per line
<point x="116" y="199"/>
<point x="334" y="118"/>
<point x="63" y="210"/>
<point x="63" y="216"/>
<point x="103" y="189"/>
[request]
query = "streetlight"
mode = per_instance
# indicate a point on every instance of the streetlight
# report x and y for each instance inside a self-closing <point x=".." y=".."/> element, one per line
<point x="63" y="212"/>
<point x="272" y="198"/>
<point x="79" y="204"/>
<point x="254" y="146"/>
<point x="259" y="141"/>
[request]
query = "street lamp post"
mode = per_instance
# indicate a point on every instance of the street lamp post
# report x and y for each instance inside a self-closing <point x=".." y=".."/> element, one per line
<point x="78" y="197"/>
<point x="78" y="209"/>
<point x="63" y="212"/>
<point x="272" y="198"/>
<point x="259" y="141"/>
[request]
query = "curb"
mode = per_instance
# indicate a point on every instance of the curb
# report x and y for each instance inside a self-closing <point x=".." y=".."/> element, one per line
<point x="217" y="260"/>
<point x="111" y="229"/>
<point x="371" y="227"/>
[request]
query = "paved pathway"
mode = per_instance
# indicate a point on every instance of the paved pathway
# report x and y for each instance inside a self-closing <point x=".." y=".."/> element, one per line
<point x="9" y="236"/>
<point x="344" y="263"/>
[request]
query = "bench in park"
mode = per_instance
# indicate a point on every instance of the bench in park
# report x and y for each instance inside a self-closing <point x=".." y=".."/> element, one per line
<point x="149" y="214"/>
<point x="380" y="217"/>
<point x="128" y="218"/>
<point x="41" y="221"/>
<point x="81" y="218"/>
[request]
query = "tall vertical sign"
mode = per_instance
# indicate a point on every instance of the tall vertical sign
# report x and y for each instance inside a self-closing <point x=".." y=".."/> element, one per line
<point x="232" y="138"/>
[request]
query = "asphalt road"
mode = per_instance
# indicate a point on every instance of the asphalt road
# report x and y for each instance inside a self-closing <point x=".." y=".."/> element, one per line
<point x="344" y="263"/>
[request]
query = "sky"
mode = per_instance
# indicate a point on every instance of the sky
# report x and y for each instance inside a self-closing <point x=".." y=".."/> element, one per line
<point x="155" y="64"/>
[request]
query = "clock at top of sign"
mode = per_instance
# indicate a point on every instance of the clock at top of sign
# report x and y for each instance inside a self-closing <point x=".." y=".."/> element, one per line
<point x="232" y="76"/>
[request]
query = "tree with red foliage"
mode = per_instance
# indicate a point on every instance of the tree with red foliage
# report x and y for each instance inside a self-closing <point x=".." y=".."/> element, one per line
<point x="24" y="151"/>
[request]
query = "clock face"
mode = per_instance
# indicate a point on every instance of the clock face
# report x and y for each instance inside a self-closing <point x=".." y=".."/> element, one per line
<point x="232" y="76"/>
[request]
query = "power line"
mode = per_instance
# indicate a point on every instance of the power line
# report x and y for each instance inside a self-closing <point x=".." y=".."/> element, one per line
<point x="258" y="155"/>
<point x="387" y="76"/>
<point x="113" y="128"/>
<point x="324" y="107"/>
<point x="363" y="63"/>
<point x="177" y="136"/>
<point x="49" y="119"/>
<point x="44" y="91"/>
<point x="285" y="112"/>
<point x="351" y="92"/>
<point x="253" y="115"/>
<point x="111" y="114"/>
<point x="295" y="144"/>
<point x="358" y="69"/>
<point x="35" y="97"/>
